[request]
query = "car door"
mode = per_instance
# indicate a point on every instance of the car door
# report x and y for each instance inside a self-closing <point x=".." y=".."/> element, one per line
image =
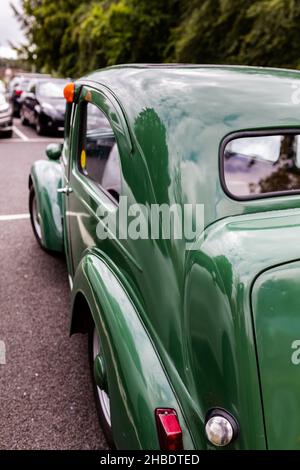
<point x="29" y="103"/>
<point x="94" y="175"/>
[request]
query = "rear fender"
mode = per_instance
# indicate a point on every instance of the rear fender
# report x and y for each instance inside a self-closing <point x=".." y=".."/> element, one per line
<point x="137" y="380"/>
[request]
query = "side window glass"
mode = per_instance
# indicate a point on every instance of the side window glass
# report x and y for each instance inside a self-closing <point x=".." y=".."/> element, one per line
<point x="98" y="152"/>
<point x="262" y="165"/>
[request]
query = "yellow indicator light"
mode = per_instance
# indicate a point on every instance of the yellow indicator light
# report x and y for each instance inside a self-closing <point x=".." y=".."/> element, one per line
<point x="83" y="159"/>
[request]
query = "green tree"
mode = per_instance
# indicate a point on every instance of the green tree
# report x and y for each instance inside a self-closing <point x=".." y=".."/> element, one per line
<point x="274" y="36"/>
<point x="72" y="37"/>
<point x="44" y="23"/>
<point x="210" y="31"/>
<point x="259" y="32"/>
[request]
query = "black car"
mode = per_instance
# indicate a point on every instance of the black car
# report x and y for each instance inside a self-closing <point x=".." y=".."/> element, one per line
<point x="6" y="117"/>
<point x="43" y="105"/>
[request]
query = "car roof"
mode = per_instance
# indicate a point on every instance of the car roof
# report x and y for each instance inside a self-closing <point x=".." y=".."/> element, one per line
<point x="227" y="97"/>
<point x="229" y="90"/>
<point x="190" y="109"/>
<point x="38" y="80"/>
<point x="187" y="72"/>
<point x="31" y="75"/>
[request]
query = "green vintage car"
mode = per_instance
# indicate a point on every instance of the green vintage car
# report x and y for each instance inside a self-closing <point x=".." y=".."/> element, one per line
<point x="194" y="337"/>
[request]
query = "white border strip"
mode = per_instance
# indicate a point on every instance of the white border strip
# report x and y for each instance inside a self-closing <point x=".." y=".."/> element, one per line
<point x="4" y="218"/>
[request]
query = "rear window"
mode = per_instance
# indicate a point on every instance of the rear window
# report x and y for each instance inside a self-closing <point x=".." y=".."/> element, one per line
<point x="261" y="165"/>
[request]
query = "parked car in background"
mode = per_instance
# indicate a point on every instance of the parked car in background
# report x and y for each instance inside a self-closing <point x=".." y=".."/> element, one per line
<point x="2" y="88"/>
<point x="31" y="85"/>
<point x="17" y="87"/>
<point x="6" y="116"/>
<point x="43" y="105"/>
<point x="194" y="340"/>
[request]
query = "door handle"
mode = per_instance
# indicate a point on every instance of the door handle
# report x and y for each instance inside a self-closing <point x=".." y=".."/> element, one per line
<point x="66" y="190"/>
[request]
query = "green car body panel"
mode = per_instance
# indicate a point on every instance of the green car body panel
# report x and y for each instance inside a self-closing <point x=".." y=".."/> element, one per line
<point x="217" y="324"/>
<point x="276" y="316"/>
<point x="135" y="369"/>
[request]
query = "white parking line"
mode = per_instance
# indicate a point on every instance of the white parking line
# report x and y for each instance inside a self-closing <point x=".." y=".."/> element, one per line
<point x="20" y="134"/>
<point x="14" y="217"/>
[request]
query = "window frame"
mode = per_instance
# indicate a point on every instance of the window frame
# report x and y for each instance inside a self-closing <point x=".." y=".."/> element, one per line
<point x="80" y="114"/>
<point x="253" y="133"/>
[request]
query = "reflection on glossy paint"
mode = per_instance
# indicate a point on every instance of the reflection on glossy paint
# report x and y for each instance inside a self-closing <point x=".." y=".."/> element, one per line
<point x="198" y="107"/>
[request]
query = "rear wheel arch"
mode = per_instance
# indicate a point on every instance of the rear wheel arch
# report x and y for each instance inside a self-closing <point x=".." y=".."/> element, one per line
<point x="137" y="379"/>
<point x="83" y="322"/>
<point x="81" y="317"/>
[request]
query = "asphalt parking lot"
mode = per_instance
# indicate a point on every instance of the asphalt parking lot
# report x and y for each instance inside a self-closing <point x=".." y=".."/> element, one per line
<point x="46" y="399"/>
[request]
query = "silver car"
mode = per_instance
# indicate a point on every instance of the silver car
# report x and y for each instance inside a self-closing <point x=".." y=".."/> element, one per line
<point x="6" y="117"/>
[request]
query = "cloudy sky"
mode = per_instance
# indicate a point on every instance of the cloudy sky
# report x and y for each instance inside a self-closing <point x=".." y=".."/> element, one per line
<point x="9" y="28"/>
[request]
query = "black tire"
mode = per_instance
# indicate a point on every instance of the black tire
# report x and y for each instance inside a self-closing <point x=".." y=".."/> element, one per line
<point x="8" y="134"/>
<point x="40" y="129"/>
<point x="34" y="217"/>
<point x="16" y="112"/>
<point x="101" y="412"/>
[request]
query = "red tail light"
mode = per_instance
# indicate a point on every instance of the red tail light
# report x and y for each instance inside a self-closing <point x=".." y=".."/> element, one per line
<point x="168" y="428"/>
<point x="18" y="92"/>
